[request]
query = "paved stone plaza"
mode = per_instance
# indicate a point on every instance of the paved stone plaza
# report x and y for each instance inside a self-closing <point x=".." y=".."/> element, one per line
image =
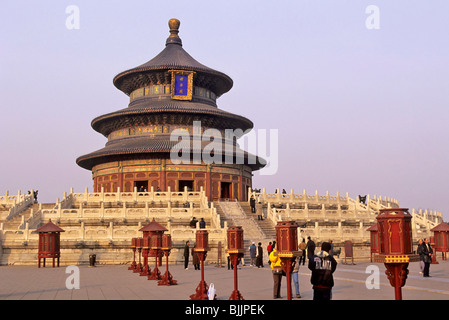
<point x="116" y="282"/>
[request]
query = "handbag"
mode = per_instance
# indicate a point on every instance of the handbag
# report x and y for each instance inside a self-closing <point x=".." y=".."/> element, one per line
<point x="278" y="271"/>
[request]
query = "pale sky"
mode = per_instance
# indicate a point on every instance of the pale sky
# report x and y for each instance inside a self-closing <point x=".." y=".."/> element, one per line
<point x="357" y="110"/>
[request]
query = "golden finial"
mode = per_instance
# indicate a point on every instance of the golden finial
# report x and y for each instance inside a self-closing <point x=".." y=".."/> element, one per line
<point x="174" y="27"/>
<point x="174" y="30"/>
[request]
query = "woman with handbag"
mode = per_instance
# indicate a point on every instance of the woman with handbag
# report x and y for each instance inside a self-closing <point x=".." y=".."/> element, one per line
<point x="277" y="269"/>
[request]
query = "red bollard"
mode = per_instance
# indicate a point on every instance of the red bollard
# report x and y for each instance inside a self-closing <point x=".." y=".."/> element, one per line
<point x="167" y="278"/>
<point x="235" y="251"/>
<point x="202" y="242"/>
<point x="395" y="239"/>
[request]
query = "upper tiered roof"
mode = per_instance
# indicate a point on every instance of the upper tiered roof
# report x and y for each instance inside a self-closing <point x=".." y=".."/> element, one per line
<point x="151" y="87"/>
<point x="172" y="57"/>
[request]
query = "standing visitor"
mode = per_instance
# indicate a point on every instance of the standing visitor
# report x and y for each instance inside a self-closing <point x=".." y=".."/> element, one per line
<point x="252" y="203"/>
<point x="276" y="268"/>
<point x="186" y="256"/>
<point x="295" y="277"/>
<point x="302" y="247"/>
<point x="310" y="248"/>
<point x="259" y="258"/>
<point x="421" y="256"/>
<point x="323" y="267"/>
<point x="195" y="259"/>
<point x="427" y="253"/>
<point x="252" y="254"/>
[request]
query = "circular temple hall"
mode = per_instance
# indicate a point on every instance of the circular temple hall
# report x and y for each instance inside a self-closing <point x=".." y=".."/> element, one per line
<point x="172" y="135"/>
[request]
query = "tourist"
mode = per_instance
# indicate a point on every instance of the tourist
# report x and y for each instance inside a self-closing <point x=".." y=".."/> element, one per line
<point x="310" y="247"/>
<point x="193" y="222"/>
<point x="252" y="254"/>
<point x="331" y="253"/>
<point x="252" y="203"/>
<point x="269" y="249"/>
<point x="419" y="251"/>
<point x="323" y="267"/>
<point x="276" y="267"/>
<point x="260" y="214"/>
<point x="259" y="258"/>
<point x="427" y="253"/>
<point x="186" y="256"/>
<point x="202" y="223"/>
<point x="302" y="247"/>
<point x="295" y="277"/>
<point x="230" y="265"/>
<point x="195" y="259"/>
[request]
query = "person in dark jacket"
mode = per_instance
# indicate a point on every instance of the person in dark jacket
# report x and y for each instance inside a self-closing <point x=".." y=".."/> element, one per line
<point x="252" y="203"/>
<point x="195" y="259"/>
<point x="186" y="256"/>
<point x="421" y="256"/>
<point x="259" y="259"/>
<point x="427" y="256"/>
<point x="322" y="266"/>
<point x="310" y="247"/>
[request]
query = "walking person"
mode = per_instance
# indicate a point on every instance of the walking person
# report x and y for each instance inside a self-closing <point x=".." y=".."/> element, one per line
<point x="302" y="247"/>
<point x="419" y="251"/>
<point x="427" y="253"/>
<point x="310" y="247"/>
<point x="295" y="277"/>
<point x="259" y="257"/>
<point x="195" y="259"/>
<point x="186" y="256"/>
<point x="252" y="254"/>
<point x="322" y="266"/>
<point x="269" y="249"/>
<point x="276" y="267"/>
<point x="252" y="203"/>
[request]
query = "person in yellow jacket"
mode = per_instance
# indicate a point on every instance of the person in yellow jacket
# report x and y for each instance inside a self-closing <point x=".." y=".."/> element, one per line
<point x="277" y="269"/>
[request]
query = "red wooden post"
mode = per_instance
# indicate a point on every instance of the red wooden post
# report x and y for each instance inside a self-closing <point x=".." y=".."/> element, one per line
<point x="139" y="245"/>
<point x="167" y="278"/>
<point x="395" y="250"/>
<point x="146" y="243"/>
<point x="153" y="233"/>
<point x="133" y="248"/>
<point x="49" y="243"/>
<point x="202" y="243"/>
<point x="156" y="243"/>
<point x="235" y="251"/>
<point x="441" y="236"/>
<point x="374" y="236"/>
<point x="287" y="242"/>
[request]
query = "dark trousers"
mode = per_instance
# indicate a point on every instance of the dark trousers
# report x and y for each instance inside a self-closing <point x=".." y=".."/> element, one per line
<point x="277" y="285"/>
<point x="186" y="262"/>
<point x="322" y="294"/>
<point x="426" y="269"/>
<point x="302" y="258"/>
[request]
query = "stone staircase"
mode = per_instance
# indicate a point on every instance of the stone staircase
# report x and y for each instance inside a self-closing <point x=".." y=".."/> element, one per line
<point x="265" y="225"/>
<point x="239" y="213"/>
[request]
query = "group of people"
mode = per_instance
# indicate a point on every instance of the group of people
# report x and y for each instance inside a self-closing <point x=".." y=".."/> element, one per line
<point x="194" y="221"/>
<point x="425" y="252"/>
<point x="195" y="258"/>
<point x="322" y="265"/>
<point x="252" y="204"/>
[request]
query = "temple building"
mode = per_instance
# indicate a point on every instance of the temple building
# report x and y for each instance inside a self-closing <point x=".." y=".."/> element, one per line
<point x="172" y="135"/>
